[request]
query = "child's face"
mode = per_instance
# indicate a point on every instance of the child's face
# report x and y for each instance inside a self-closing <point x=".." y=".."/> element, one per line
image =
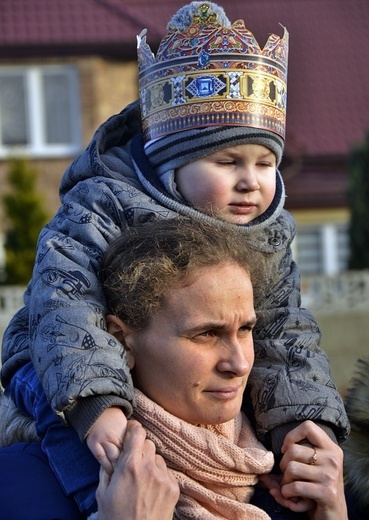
<point x="237" y="184"/>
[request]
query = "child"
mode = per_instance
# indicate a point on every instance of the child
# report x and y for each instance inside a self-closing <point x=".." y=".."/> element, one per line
<point x="207" y="144"/>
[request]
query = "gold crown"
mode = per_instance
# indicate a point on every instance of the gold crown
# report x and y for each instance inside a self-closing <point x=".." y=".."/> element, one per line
<point x="209" y="74"/>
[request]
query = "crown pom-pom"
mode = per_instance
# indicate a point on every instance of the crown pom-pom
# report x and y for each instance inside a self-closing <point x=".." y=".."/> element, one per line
<point x="184" y="16"/>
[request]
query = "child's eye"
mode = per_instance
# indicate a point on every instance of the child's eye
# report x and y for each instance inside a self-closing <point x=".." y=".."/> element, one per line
<point x="265" y="164"/>
<point x="227" y="163"/>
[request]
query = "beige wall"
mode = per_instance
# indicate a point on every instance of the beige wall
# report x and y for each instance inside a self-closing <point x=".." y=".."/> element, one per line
<point x="107" y="86"/>
<point x="319" y="216"/>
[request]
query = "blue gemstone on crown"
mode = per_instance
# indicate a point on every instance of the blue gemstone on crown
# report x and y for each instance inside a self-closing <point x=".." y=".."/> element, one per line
<point x="205" y="86"/>
<point x="204" y="59"/>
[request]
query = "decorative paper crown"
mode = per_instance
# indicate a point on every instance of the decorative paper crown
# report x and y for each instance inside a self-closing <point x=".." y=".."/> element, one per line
<point x="208" y="74"/>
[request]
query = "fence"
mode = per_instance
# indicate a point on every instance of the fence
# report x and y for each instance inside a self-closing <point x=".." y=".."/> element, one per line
<point x="347" y="291"/>
<point x="344" y="292"/>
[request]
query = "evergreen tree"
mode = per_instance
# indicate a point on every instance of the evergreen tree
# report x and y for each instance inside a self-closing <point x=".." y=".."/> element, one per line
<point x="358" y="196"/>
<point x="25" y="216"/>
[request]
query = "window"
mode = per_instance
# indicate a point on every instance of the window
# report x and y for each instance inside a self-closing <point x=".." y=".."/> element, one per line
<point x="322" y="249"/>
<point x="39" y="111"/>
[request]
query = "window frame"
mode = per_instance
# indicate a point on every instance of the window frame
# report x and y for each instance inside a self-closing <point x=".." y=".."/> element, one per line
<point x="329" y="243"/>
<point x="37" y="145"/>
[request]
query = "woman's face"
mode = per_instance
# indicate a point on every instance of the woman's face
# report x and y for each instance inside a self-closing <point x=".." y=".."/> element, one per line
<point x="195" y="356"/>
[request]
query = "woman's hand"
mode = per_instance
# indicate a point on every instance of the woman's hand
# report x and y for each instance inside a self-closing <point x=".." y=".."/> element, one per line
<point x="312" y="474"/>
<point x="141" y="487"/>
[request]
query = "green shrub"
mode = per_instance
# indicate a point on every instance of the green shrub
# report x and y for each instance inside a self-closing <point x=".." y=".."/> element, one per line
<point x="25" y="216"/>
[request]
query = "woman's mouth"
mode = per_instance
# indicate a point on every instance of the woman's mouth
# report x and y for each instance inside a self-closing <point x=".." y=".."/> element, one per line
<point x="225" y="393"/>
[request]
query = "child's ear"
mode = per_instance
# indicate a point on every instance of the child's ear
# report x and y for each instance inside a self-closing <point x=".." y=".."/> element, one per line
<point x="121" y="331"/>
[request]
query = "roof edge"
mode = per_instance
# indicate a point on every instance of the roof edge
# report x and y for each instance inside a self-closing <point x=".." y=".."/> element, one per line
<point x="112" y="50"/>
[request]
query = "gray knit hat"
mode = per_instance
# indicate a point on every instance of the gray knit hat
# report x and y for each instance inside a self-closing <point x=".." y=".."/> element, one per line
<point x="210" y="86"/>
<point x="180" y="148"/>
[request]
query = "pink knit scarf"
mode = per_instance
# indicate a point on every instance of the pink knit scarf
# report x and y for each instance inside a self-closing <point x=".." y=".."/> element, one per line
<point x="216" y="466"/>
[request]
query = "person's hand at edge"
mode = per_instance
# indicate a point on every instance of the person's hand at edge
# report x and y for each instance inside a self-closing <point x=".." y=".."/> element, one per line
<point x="312" y="474"/>
<point x="141" y="487"/>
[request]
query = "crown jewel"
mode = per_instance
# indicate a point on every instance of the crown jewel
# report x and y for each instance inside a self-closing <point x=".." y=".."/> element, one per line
<point x="209" y="74"/>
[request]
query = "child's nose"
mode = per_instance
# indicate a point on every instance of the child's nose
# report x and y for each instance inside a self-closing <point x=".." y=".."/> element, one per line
<point x="247" y="181"/>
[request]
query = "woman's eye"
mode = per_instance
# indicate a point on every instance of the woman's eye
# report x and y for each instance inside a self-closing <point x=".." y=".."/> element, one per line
<point x="206" y="334"/>
<point x="245" y="329"/>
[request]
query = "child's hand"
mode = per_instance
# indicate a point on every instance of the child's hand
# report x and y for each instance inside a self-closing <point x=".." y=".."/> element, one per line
<point x="105" y="438"/>
<point x="312" y="474"/>
<point x="141" y="485"/>
<point x="274" y="484"/>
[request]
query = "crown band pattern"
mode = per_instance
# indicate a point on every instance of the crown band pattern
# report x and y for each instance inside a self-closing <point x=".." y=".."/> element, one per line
<point x="208" y="74"/>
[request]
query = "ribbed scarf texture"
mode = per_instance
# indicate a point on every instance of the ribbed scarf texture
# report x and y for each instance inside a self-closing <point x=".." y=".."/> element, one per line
<point x="216" y="466"/>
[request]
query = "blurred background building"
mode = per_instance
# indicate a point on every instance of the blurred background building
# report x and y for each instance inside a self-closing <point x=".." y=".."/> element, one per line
<point x="67" y="65"/>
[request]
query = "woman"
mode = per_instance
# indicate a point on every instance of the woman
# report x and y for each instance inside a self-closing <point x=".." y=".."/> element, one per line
<point x="181" y="300"/>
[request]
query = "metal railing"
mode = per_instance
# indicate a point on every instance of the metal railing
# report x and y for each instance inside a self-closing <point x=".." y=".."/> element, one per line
<point x="347" y="292"/>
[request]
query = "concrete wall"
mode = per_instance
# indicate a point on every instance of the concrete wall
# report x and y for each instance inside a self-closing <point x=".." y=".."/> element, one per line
<point x="345" y="339"/>
<point x="340" y="305"/>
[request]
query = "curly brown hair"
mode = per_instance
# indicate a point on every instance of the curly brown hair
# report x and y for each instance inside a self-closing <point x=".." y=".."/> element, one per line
<point x="145" y="263"/>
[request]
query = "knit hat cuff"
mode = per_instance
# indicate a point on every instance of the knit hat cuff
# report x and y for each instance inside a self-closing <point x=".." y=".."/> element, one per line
<point x="181" y="148"/>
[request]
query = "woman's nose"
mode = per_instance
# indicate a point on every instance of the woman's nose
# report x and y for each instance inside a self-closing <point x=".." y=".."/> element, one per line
<point x="237" y="358"/>
<point x="247" y="181"/>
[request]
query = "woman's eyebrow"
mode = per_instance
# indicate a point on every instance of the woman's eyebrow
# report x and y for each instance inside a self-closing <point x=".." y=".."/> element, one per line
<point x="213" y="325"/>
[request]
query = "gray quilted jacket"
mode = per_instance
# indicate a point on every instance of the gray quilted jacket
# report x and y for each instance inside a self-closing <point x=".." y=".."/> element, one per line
<point x="61" y="327"/>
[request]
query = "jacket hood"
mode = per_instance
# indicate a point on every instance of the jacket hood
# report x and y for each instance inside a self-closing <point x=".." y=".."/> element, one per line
<point x="98" y="158"/>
